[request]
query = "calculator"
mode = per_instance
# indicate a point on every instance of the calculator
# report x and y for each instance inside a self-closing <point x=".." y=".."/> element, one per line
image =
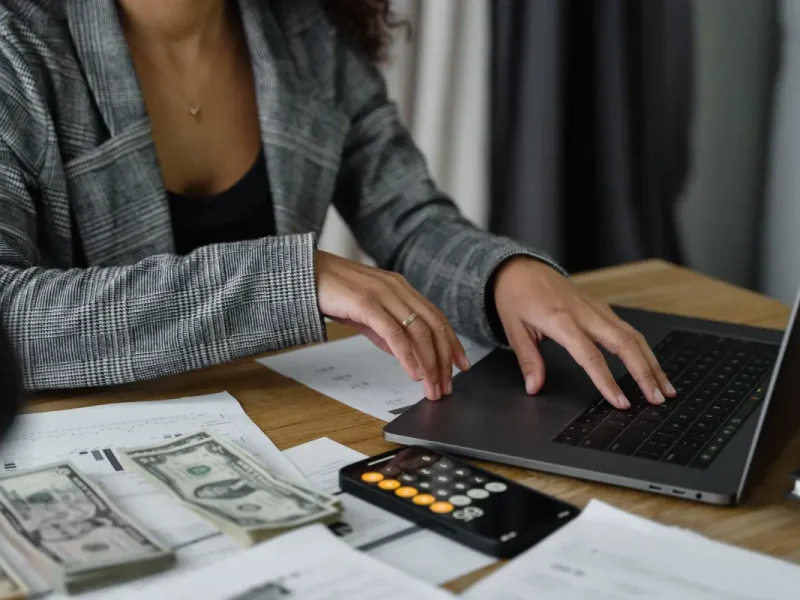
<point x="472" y="506"/>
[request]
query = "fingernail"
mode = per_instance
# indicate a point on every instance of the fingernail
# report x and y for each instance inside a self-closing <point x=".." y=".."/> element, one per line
<point x="465" y="362"/>
<point x="420" y="375"/>
<point x="623" y="402"/>
<point x="437" y="391"/>
<point x="530" y="383"/>
<point x="670" y="389"/>
<point x="658" y="397"/>
<point x="449" y="387"/>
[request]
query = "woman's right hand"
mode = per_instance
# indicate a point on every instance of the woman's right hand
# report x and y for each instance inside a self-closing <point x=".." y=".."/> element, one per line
<point x="376" y="302"/>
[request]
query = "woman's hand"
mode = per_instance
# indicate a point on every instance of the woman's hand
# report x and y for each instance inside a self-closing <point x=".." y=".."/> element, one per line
<point x="376" y="303"/>
<point x="533" y="301"/>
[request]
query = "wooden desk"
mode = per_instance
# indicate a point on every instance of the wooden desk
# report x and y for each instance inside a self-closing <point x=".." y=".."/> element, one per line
<point x="291" y="414"/>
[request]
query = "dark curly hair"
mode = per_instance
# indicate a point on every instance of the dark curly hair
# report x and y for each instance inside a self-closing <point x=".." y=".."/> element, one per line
<point x="365" y="24"/>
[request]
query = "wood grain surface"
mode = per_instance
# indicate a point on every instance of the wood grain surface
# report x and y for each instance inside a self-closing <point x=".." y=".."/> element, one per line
<point x="292" y="414"/>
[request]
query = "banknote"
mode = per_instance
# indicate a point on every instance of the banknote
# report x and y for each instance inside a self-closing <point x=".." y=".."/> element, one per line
<point x="72" y="532"/>
<point x="11" y="584"/>
<point x="204" y="435"/>
<point x="225" y="485"/>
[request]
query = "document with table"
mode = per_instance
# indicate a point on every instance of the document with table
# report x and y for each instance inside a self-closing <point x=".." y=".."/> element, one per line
<point x="307" y="564"/>
<point x="355" y="372"/>
<point x="608" y="554"/>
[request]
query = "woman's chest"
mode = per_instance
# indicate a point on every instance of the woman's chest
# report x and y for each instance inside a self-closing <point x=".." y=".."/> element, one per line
<point x="116" y="182"/>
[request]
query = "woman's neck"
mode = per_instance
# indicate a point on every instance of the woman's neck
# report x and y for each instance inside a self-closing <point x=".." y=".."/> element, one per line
<point x="184" y="26"/>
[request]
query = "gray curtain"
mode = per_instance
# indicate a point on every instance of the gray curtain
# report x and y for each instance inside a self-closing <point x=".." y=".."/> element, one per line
<point x="590" y="126"/>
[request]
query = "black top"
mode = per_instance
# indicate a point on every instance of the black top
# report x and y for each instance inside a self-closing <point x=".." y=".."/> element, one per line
<point x="242" y="212"/>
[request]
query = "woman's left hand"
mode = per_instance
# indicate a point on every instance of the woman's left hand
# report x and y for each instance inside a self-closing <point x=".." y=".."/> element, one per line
<point x="535" y="301"/>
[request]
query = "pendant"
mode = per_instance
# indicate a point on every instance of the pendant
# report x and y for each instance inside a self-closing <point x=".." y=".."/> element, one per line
<point x="194" y="110"/>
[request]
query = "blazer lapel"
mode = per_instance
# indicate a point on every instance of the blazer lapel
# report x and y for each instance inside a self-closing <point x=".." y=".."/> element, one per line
<point x="117" y="190"/>
<point x="103" y="52"/>
<point x="302" y="135"/>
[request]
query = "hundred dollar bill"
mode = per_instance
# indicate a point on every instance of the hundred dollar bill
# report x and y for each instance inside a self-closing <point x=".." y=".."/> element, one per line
<point x="11" y="584"/>
<point x="72" y="532"/>
<point x="225" y="485"/>
<point x="200" y="436"/>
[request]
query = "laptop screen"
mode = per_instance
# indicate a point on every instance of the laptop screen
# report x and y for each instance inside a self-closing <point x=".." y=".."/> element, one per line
<point x="780" y="417"/>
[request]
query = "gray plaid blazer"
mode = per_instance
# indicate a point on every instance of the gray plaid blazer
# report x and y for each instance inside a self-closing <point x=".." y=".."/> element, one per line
<point x="78" y="169"/>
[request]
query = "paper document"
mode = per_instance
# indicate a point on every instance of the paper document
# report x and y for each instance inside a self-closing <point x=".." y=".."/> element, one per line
<point x="90" y="438"/>
<point x="608" y="554"/>
<point x="306" y="564"/>
<point x="358" y="374"/>
<point x="382" y="535"/>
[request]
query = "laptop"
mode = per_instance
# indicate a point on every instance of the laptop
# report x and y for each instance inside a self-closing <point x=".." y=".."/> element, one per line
<point x="738" y="404"/>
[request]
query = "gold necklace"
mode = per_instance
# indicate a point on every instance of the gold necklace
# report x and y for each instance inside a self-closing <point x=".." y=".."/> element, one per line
<point x="195" y="110"/>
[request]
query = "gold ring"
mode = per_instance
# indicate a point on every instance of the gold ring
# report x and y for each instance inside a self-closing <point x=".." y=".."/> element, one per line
<point x="410" y="319"/>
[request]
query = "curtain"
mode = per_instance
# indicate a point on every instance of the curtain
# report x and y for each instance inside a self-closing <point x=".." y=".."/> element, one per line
<point x="590" y="116"/>
<point x="439" y="78"/>
<point x="780" y="266"/>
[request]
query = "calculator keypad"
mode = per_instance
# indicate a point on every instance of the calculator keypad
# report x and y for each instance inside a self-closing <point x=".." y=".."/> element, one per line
<point x="440" y="486"/>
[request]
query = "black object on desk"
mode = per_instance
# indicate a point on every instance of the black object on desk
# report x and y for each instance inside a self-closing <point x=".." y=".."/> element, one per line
<point x="10" y="385"/>
<point x="472" y="506"/>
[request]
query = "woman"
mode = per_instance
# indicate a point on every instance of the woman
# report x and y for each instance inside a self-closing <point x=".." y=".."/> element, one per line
<point x="166" y="165"/>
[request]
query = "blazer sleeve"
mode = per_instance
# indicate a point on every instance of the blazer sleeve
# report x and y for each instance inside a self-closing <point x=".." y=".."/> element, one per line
<point x="167" y="314"/>
<point x="399" y="217"/>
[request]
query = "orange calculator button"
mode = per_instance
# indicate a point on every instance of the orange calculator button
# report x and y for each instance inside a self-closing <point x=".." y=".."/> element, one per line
<point x="371" y="477"/>
<point x="442" y="507"/>
<point x="424" y="499"/>
<point x="389" y="484"/>
<point x="406" y="492"/>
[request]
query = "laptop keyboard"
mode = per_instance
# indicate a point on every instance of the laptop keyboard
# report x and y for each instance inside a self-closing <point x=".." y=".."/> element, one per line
<point x="720" y="381"/>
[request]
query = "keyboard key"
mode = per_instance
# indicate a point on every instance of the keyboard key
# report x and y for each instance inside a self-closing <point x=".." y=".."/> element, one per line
<point x="665" y="437"/>
<point x="651" y="450"/>
<point x="699" y="433"/>
<point x="601" y="437"/>
<point x="653" y="414"/>
<point x="617" y="421"/>
<point x="682" y="453"/>
<point x="649" y="454"/>
<point x="721" y="410"/>
<point x="591" y="420"/>
<point x="713" y="419"/>
<point x="629" y="441"/>
<point x="675" y="427"/>
<point x="599" y="411"/>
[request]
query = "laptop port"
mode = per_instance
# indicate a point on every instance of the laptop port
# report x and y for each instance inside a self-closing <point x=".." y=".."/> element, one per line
<point x="680" y="493"/>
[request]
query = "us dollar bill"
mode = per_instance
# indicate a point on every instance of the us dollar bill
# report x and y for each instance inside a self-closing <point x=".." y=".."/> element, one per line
<point x="11" y="585"/>
<point x="224" y="484"/>
<point x="72" y="533"/>
<point x="204" y="435"/>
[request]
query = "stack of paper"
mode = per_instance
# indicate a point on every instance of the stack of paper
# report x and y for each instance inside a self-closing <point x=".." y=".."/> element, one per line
<point x="306" y="564"/>
<point x="356" y="373"/>
<point x="609" y="554"/>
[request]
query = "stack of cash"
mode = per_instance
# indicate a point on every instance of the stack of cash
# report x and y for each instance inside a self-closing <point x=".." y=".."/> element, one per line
<point x="11" y="584"/>
<point x="72" y="533"/>
<point x="227" y="486"/>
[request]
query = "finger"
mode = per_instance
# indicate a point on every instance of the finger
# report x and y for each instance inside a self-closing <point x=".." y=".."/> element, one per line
<point x="661" y="378"/>
<point x="423" y="342"/>
<point x="394" y="336"/>
<point x="530" y="360"/>
<point x="565" y="332"/>
<point x="624" y="344"/>
<point x="436" y="315"/>
<point x="439" y="327"/>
